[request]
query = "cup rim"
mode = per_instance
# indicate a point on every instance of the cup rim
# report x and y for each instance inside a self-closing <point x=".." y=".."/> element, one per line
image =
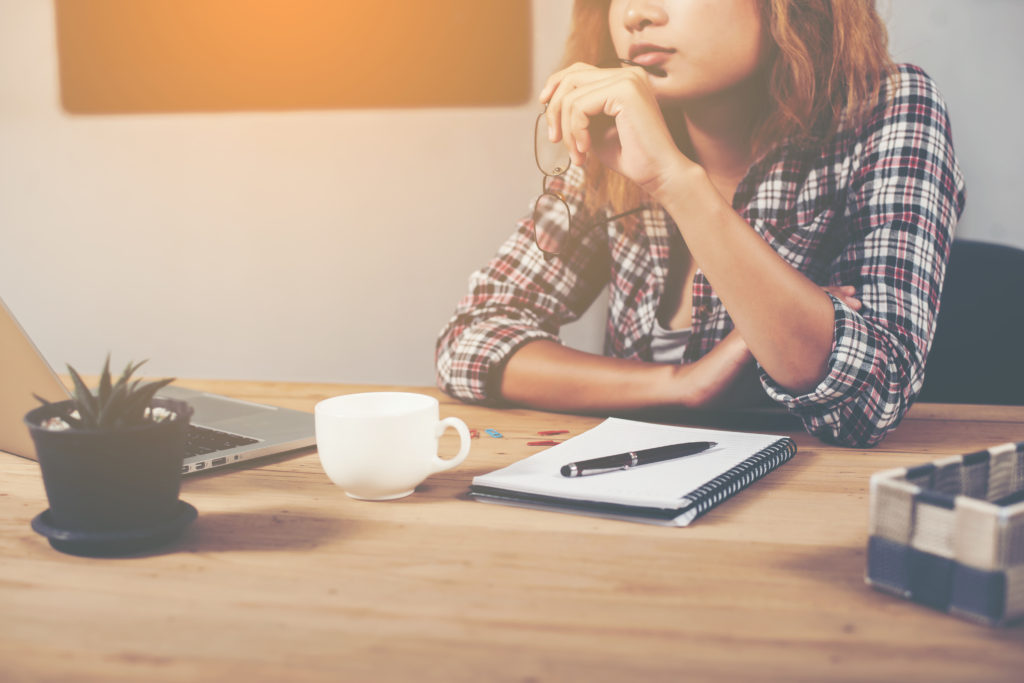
<point x="412" y="402"/>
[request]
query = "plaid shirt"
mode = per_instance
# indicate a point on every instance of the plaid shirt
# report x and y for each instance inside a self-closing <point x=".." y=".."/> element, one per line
<point x="875" y="209"/>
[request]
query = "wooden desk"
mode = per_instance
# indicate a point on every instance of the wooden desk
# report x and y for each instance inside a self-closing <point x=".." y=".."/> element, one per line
<point x="283" y="577"/>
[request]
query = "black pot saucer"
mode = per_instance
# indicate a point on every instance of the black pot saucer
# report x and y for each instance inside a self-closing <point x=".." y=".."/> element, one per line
<point x="113" y="543"/>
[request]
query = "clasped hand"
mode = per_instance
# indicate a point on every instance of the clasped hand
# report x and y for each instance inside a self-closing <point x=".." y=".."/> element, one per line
<point x="613" y="114"/>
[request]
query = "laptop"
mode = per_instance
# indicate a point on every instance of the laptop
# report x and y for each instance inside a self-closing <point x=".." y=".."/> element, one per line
<point x="223" y="430"/>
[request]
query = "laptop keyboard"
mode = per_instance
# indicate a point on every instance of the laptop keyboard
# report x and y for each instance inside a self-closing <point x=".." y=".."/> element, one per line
<point x="202" y="440"/>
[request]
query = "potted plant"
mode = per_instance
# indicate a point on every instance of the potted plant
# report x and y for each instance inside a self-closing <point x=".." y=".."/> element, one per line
<point x="111" y="465"/>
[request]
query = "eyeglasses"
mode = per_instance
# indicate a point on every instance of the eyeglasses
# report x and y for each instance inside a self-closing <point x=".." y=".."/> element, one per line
<point x="552" y="219"/>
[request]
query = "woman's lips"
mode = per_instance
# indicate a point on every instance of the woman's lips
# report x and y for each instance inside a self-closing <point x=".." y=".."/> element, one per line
<point x="649" y="56"/>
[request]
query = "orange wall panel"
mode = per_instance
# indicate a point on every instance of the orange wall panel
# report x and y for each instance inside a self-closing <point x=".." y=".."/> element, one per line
<point x="131" y="56"/>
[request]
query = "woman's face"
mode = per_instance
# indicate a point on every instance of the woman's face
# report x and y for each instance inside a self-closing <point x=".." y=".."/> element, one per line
<point x="690" y="48"/>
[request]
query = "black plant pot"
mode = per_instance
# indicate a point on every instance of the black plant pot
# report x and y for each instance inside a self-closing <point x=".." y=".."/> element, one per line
<point x="123" y="481"/>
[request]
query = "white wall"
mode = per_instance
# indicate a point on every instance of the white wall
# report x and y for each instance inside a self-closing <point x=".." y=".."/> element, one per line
<point x="332" y="245"/>
<point x="320" y="245"/>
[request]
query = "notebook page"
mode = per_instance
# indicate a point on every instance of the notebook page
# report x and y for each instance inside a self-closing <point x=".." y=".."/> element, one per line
<point x="660" y="485"/>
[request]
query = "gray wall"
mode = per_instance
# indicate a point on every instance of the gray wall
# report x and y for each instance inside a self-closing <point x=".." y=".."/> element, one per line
<point x="333" y="245"/>
<point x="973" y="50"/>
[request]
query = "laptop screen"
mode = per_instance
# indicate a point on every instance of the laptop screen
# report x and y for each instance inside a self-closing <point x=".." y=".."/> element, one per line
<point x="25" y="372"/>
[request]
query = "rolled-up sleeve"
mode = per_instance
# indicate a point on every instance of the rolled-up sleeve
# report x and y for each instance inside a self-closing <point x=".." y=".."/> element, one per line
<point x="519" y="297"/>
<point x="906" y="194"/>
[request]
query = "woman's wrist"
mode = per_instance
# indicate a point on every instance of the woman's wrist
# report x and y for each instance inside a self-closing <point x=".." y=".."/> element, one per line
<point x="682" y="389"/>
<point x="680" y="179"/>
<point x="712" y="379"/>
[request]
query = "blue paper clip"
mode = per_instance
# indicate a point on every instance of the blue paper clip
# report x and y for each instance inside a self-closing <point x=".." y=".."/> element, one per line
<point x="493" y="432"/>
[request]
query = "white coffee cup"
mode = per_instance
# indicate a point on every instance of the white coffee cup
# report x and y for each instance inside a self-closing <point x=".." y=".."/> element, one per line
<point x="381" y="445"/>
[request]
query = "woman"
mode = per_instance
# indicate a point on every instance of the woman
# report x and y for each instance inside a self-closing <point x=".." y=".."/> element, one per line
<point x="797" y="195"/>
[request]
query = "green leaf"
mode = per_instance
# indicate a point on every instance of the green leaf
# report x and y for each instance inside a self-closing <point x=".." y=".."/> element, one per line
<point x="84" y="400"/>
<point x="104" y="392"/>
<point x="138" y="365"/>
<point x="137" y="403"/>
<point x="115" y="405"/>
<point x="122" y="380"/>
<point x="129" y="370"/>
<point x="126" y="375"/>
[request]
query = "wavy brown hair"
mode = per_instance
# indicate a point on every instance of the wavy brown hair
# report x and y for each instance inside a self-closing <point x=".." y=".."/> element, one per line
<point x="826" y="65"/>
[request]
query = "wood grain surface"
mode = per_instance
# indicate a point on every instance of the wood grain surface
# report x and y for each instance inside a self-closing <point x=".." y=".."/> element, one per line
<point x="283" y="577"/>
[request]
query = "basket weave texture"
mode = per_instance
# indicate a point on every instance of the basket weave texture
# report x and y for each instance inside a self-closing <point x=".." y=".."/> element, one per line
<point x="950" y="534"/>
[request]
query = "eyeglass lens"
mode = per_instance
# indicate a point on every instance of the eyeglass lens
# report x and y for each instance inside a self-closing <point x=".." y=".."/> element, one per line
<point x="551" y="222"/>
<point x="552" y="157"/>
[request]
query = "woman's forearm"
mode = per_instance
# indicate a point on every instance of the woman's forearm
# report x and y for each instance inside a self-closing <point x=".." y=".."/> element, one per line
<point x="546" y="375"/>
<point x="785" y="319"/>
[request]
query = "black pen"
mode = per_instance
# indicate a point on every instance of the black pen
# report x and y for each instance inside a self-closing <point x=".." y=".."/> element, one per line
<point x="623" y="461"/>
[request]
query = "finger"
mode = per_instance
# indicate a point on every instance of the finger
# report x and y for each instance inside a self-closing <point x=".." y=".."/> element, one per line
<point x="566" y="116"/>
<point x="841" y="291"/>
<point x="636" y="69"/>
<point x="556" y="78"/>
<point x="577" y="109"/>
<point x="570" y="80"/>
<point x="580" y="106"/>
<point x="557" y="85"/>
<point x="845" y="293"/>
<point x="851" y="301"/>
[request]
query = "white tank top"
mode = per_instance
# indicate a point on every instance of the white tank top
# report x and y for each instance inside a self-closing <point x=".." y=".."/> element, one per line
<point x="668" y="346"/>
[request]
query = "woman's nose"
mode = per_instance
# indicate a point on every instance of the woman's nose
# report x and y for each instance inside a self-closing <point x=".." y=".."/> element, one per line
<point x="639" y="14"/>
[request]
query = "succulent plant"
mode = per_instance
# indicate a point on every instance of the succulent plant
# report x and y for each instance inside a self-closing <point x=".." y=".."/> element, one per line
<point x="115" y="405"/>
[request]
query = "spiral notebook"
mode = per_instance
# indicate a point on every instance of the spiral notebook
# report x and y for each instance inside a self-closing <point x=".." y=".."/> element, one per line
<point x="670" y="493"/>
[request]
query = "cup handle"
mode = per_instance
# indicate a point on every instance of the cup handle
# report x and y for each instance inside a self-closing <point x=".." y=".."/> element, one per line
<point x="440" y="464"/>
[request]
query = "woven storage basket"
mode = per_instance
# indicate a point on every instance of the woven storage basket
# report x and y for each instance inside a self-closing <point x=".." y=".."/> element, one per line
<point x="950" y="534"/>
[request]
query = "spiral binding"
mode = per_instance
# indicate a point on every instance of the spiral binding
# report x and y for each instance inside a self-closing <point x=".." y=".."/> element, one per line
<point x="743" y="475"/>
